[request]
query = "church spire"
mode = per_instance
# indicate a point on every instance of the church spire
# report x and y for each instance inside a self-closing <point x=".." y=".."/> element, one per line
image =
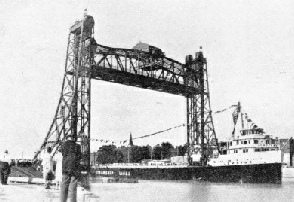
<point x="131" y="140"/>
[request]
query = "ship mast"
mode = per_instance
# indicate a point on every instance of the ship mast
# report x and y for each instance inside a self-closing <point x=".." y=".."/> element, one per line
<point x="242" y="118"/>
<point x="235" y="115"/>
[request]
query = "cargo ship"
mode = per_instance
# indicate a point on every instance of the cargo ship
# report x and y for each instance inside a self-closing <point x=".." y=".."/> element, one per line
<point x="251" y="173"/>
<point x="251" y="156"/>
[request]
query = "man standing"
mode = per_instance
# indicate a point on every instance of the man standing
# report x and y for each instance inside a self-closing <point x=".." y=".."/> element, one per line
<point x="47" y="167"/>
<point x="71" y="156"/>
<point x="5" y="162"/>
<point x="58" y="171"/>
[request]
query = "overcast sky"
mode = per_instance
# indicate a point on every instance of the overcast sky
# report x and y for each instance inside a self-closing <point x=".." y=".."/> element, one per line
<point x="249" y="46"/>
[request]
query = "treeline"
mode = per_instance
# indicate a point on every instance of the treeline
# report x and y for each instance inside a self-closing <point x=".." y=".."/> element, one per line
<point x="135" y="154"/>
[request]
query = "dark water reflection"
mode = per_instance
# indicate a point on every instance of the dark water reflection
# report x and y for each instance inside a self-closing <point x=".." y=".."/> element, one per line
<point x="182" y="191"/>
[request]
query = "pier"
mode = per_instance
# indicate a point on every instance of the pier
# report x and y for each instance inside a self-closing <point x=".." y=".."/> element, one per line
<point x="16" y="192"/>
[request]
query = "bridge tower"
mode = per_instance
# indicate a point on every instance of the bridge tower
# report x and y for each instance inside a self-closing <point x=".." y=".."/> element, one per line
<point x="76" y="99"/>
<point x="200" y="128"/>
<point x="72" y="115"/>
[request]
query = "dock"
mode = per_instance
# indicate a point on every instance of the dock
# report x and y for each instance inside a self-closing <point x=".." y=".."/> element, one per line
<point x="22" y="191"/>
<point x="16" y="192"/>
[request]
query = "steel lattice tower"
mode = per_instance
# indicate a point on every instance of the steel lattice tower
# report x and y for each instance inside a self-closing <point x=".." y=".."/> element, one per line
<point x="200" y="128"/>
<point x="72" y="115"/>
<point x="78" y="73"/>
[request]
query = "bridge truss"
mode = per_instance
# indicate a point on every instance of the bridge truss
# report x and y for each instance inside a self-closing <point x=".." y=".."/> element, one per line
<point x="87" y="60"/>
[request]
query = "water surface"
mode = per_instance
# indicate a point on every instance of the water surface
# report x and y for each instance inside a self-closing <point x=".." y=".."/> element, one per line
<point x="182" y="191"/>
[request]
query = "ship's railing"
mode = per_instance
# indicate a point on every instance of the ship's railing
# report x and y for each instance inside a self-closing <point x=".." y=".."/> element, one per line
<point x="251" y="145"/>
<point x="261" y="157"/>
<point x="267" y="145"/>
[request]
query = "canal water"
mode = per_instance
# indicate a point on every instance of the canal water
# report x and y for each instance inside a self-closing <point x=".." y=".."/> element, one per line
<point x="182" y="191"/>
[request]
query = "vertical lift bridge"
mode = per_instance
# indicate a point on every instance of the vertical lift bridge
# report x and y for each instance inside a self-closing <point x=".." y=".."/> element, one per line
<point x="87" y="60"/>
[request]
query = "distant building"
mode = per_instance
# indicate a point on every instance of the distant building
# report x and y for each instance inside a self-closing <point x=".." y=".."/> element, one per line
<point x="178" y="160"/>
<point x="287" y="147"/>
<point x="131" y="140"/>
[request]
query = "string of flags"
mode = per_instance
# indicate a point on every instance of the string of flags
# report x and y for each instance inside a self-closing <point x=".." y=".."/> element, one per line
<point x="249" y="120"/>
<point x="161" y="131"/>
<point x="220" y="111"/>
<point x="235" y="118"/>
<point x="235" y="114"/>
<point x="109" y="141"/>
<point x="122" y="142"/>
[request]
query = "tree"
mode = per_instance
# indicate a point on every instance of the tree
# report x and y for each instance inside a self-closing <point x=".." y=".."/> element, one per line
<point x="109" y="154"/>
<point x="145" y="151"/>
<point x="139" y="153"/>
<point x="167" y="149"/>
<point x="182" y="150"/>
<point x="157" y="152"/>
<point x="119" y="156"/>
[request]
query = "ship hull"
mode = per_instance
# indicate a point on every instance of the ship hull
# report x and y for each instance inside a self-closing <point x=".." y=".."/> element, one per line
<point x="258" y="173"/>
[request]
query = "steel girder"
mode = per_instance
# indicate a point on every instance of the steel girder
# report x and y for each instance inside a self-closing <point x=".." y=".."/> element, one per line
<point x="142" y="69"/>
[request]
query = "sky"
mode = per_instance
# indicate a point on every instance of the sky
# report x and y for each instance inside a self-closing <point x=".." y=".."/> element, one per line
<point x="249" y="47"/>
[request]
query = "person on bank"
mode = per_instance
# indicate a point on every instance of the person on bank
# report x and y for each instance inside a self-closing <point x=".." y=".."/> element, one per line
<point x="58" y="172"/>
<point x="47" y="168"/>
<point x="71" y="157"/>
<point x="5" y="163"/>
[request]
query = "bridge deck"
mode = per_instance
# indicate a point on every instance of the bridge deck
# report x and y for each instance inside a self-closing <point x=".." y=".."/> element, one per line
<point x="142" y="81"/>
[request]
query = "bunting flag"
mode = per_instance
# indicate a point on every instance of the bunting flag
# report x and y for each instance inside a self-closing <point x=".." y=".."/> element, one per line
<point x="233" y="132"/>
<point x="161" y="131"/>
<point x="235" y="119"/>
<point x="253" y="125"/>
<point x="235" y="116"/>
<point x="122" y="142"/>
<point x="220" y="111"/>
<point x="249" y="120"/>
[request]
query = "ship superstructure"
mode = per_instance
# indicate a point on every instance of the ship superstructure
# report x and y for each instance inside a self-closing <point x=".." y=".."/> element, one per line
<point x="250" y="146"/>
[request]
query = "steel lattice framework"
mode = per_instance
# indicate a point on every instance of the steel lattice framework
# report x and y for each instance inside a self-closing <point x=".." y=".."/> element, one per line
<point x="141" y="69"/>
<point x="86" y="60"/>
<point x="200" y="128"/>
<point x="72" y="115"/>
